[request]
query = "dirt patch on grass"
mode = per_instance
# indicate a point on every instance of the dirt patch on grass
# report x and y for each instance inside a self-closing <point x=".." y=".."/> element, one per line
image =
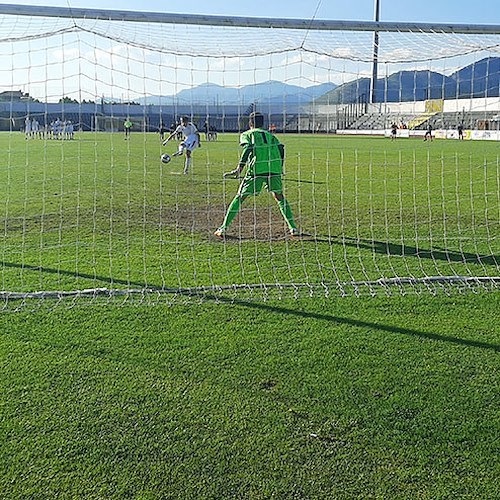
<point x="252" y="223"/>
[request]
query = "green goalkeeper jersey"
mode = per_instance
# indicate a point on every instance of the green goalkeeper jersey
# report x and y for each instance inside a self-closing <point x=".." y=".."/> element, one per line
<point x="262" y="152"/>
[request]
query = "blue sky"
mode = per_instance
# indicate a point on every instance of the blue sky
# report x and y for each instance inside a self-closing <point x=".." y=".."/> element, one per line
<point x="438" y="11"/>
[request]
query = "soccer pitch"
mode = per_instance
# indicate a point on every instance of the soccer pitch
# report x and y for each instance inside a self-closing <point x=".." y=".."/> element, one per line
<point x="331" y="398"/>
<point x="101" y="212"/>
<point x="235" y="396"/>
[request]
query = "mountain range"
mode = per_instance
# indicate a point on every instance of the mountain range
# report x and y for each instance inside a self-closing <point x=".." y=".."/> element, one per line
<point x="270" y="92"/>
<point x="479" y="79"/>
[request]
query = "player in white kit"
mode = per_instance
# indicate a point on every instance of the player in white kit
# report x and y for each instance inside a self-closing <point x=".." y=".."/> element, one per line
<point x="190" y="142"/>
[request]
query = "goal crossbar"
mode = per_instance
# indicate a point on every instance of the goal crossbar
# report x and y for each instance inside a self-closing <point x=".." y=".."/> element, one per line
<point x="245" y="22"/>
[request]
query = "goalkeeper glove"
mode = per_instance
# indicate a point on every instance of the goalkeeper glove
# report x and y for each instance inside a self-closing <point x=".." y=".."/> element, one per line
<point x="234" y="174"/>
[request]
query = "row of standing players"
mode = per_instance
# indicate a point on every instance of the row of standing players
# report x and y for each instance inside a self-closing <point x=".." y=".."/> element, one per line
<point x="57" y="129"/>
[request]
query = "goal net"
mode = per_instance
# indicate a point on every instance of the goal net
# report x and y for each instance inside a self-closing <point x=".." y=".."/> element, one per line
<point x="391" y="171"/>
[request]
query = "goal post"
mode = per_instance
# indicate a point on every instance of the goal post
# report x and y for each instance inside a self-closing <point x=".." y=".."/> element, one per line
<point x="393" y="184"/>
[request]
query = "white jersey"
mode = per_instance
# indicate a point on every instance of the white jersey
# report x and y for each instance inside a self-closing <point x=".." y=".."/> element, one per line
<point x="190" y="133"/>
<point x="187" y="130"/>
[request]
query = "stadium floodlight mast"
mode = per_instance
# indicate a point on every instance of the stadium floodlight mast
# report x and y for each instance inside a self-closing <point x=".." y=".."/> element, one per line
<point x="375" y="53"/>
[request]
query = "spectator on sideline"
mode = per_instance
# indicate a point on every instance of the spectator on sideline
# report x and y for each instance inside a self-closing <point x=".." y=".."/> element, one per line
<point x="428" y="133"/>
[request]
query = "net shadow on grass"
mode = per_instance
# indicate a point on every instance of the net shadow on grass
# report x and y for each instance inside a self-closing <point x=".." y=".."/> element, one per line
<point x="400" y="250"/>
<point x="362" y="324"/>
<point x="221" y="299"/>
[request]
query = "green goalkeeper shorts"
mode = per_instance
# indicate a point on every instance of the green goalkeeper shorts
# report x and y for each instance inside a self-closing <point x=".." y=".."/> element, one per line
<point x="254" y="185"/>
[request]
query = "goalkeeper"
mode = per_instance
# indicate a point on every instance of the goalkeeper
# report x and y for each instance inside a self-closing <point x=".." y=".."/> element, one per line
<point x="263" y="155"/>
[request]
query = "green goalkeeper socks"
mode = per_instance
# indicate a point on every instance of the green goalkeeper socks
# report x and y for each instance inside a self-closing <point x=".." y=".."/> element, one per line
<point x="235" y="205"/>
<point x="286" y="211"/>
<point x="232" y="210"/>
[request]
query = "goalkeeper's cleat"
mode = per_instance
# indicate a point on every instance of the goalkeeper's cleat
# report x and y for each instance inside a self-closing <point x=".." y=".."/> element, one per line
<point x="295" y="233"/>
<point x="220" y="233"/>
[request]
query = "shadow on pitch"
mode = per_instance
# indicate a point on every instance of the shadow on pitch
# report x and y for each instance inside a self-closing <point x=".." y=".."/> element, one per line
<point x="61" y="272"/>
<point x="362" y="324"/>
<point x="394" y="249"/>
<point x="216" y="298"/>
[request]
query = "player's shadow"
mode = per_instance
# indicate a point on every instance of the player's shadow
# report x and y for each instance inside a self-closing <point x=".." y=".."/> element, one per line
<point x="219" y="298"/>
<point x="396" y="249"/>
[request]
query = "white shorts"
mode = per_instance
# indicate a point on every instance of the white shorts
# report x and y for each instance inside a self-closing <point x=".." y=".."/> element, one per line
<point x="191" y="142"/>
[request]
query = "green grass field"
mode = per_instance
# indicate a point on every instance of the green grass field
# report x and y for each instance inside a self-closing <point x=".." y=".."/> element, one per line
<point x="317" y="399"/>
<point x="103" y="212"/>
<point x="231" y="396"/>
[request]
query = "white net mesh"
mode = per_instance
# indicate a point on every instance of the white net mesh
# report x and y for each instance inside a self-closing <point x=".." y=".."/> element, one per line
<point x="88" y="212"/>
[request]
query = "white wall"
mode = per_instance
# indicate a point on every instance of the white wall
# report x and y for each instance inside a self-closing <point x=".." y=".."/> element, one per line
<point x="416" y="107"/>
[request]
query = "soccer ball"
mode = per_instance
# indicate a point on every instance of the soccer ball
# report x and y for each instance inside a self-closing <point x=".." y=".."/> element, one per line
<point x="165" y="158"/>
